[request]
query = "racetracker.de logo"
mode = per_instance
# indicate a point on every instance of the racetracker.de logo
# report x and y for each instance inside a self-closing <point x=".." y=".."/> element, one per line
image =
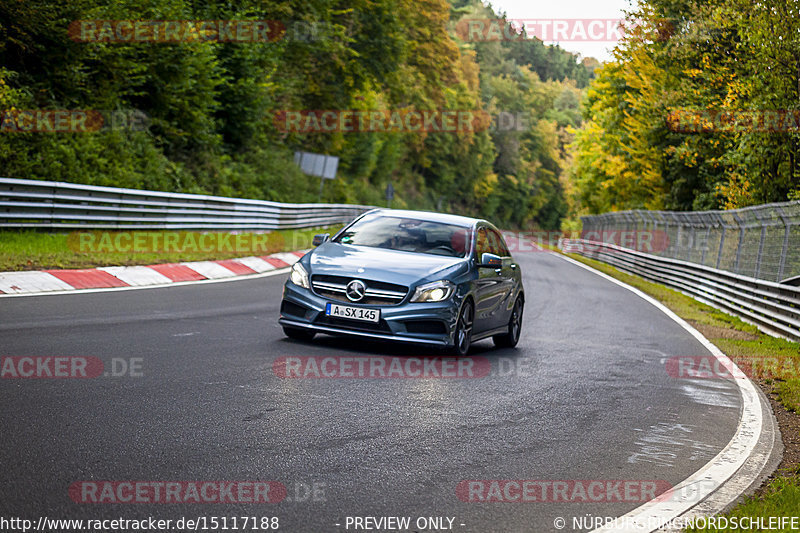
<point x="548" y="30"/>
<point x="561" y="491"/>
<point x="72" y="120"/>
<point x="50" y="120"/>
<point x="709" y="367"/>
<point x="69" y="367"/>
<point x="647" y="241"/>
<point x="176" y="241"/>
<point x="50" y="367"/>
<point x="380" y="367"/>
<point x="177" y="492"/>
<point x="175" y="31"/>
<point x="734" y="120"/>
<point x="398" y="120"/>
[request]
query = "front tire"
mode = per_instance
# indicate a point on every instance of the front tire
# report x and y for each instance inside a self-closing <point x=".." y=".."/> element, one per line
<point x="510" y="339"/>
<point x="462" y="339"/>
<point x="299" y="334"/>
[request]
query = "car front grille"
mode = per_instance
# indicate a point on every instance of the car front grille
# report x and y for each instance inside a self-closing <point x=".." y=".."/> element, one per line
<point x="378" y="292"/>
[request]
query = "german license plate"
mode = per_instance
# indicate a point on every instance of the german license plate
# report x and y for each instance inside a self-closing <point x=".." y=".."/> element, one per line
<point x="353" y="313"/>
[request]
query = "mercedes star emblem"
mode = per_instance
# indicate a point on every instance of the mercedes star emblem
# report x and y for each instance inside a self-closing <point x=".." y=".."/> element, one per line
<point x="355" y="290"/>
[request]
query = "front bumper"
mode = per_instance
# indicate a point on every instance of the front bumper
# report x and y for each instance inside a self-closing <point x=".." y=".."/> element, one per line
<point x="425" y="323"/>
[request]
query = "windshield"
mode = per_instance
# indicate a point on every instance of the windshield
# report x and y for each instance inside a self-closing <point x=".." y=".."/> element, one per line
<point x="408" y="235"/>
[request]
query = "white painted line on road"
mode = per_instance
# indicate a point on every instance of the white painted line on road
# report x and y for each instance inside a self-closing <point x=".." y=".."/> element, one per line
<point x="718" y="471"/>
<point x="20" y="283"/>
<point x="145" y="287"/>
<point x="137" y="275"/>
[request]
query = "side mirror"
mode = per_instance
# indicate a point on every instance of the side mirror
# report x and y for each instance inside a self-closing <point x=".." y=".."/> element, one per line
<point x="490" y="261"/>
<point x="320" y="238"/>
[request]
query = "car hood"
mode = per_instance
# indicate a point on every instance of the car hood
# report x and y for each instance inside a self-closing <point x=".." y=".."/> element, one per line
<point x="392" y="266"/>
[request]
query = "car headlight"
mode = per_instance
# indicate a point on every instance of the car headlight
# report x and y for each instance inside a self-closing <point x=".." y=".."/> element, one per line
<point x="433" y="292"/>
<point x="299" y="276"/>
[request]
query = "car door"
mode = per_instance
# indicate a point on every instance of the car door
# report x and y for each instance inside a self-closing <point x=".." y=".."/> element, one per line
<point x="508" y="277"/>
<point x="491" y="288"/>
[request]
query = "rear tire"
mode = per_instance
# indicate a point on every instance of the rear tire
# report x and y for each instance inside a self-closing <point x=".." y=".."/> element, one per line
<point x="299" y="334"/>
<point x="510" y="339"/>
<point x="462" y="339"/>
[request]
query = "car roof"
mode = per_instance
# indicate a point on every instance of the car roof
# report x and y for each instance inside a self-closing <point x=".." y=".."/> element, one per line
<point x="445" y="218"/>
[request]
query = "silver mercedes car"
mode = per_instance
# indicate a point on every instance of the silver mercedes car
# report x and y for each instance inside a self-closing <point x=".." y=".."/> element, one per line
<point x="408" y="276"/>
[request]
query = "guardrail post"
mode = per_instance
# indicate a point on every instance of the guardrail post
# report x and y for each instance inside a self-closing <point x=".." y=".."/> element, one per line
<point x="785" y="249"/>
<point x="709" y="225"/>
<point x="120" y="214"/>
<point x="721" y="240"/>
<point x="52" y="201"/>
<point x="760" y="246"/>
<point x="741" y="242"/>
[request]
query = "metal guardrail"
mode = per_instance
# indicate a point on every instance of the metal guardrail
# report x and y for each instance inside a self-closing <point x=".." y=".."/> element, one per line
<point x="774" y="307"/>
<point x="761" y="241"/>
<point x="59" y="205"/>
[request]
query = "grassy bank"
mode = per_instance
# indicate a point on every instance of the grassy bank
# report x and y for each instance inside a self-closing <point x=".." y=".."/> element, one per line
<point x="772" y="363"/>
<point x="33" y="250"/>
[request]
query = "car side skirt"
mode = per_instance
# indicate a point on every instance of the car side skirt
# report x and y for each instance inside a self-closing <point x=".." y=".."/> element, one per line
<point x="491" y="333"/>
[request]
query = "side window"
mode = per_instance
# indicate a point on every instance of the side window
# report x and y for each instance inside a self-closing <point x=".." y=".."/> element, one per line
<point x="491" y="239"/>
<point x="482" y="245"/>
<point x="498" y="244"/>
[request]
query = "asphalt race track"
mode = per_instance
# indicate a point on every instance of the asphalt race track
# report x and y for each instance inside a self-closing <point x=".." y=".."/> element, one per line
<point x="585" y="396"/>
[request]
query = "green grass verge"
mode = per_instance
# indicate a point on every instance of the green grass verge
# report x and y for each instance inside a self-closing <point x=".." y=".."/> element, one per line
<point x="769" y="361"/>
<point x="33" y="250"/>
<point x="780" y="499"/>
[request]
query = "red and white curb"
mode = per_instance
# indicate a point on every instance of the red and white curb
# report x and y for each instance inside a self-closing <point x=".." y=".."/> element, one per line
<point x="49" y="281"/>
